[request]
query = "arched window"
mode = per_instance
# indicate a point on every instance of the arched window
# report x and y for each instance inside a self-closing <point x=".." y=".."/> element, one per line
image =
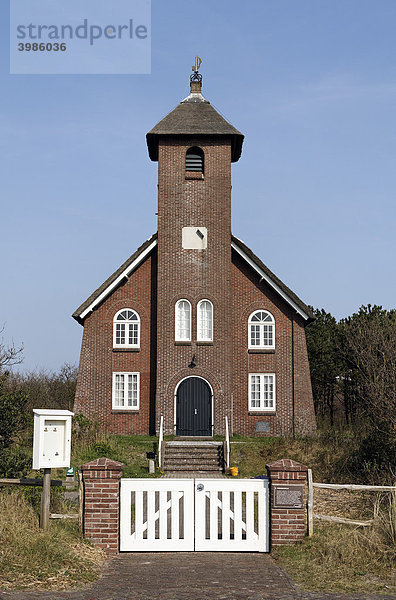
<point x="205" y="321"/>
<point x="261" y="330"/>
<point x="126" y="332"/>
<point x="195" y="160"/>
<point x="183" y="321"/>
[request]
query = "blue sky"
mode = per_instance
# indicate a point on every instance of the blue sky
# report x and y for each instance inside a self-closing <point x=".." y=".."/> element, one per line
<point x="311" y="84"/>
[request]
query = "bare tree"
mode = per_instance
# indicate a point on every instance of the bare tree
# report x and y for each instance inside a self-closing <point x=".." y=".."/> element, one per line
<point x="371" y="352"/>
<point x="49" y="389"/>
<point x="9" y="355"/>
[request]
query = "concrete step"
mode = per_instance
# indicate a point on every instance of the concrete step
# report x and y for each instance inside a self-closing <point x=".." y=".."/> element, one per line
<point x="183" y="453"/>
<point x="209" y="463"/>
<point x="193" y="460"/>
<point x="190" y="442"/>
<point x="200" y="457"/>
<point x="190" y="467"/>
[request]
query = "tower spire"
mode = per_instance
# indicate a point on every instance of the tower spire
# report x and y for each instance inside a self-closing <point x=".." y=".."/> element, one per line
<point x="196" y="78"/>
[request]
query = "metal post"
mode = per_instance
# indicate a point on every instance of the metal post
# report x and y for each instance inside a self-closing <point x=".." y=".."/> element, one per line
<point x="45" y="500"/>
<point x="310" y="503"/>
<point x="80" y="500"/>
<point x="227" y="436"/>
<point x="160" y="441"/>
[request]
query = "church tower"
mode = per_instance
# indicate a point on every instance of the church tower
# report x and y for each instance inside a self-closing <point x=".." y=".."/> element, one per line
<point x="194" y="146"/>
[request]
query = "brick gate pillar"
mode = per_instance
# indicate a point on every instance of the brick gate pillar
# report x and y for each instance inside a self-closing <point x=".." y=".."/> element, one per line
<point x="102" y="502"/>
<point x="287" y="505"/>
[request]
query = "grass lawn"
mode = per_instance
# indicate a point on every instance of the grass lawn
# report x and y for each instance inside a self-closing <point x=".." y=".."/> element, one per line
<point x="340" y="558"/>
<point x="128" y="449"/>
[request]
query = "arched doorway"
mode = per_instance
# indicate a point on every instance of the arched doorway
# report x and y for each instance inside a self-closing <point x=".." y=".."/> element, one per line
<point x="194" y="407"/>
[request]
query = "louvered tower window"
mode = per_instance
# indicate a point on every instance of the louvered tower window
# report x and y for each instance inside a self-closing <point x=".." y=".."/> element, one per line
<point x="195" y="160"/>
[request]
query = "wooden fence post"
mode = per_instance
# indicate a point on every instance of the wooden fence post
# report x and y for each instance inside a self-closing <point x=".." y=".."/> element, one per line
<point x="45" y="500"/>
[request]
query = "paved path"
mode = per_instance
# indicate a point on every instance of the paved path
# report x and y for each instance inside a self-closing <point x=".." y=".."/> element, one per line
<point x="189" y="576"/>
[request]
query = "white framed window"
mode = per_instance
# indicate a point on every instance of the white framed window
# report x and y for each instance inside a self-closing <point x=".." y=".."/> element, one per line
<point x="126" y="391"/>
<point x="261" y="330"/>
<point x="205" y="321"/>
<point x="126" y="329"/>
<point x="262" y="392"/>
<point x="183" y="321"/>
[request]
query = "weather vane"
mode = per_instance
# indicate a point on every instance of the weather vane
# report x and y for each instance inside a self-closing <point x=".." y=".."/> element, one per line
<point x="196" y="76"/>
<point x="198" y="62"/>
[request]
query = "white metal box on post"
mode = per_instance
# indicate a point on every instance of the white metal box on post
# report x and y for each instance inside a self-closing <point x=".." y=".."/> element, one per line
<point x="51" y="438"/>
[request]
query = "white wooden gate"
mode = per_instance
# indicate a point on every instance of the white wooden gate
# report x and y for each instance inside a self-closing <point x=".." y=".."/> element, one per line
<point x="231" y="515"/>
<point x="157" y="514"/>
<point x="186" y="515"/>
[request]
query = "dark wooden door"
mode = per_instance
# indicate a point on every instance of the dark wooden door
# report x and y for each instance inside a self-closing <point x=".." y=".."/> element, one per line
<point x="194" y="407"/>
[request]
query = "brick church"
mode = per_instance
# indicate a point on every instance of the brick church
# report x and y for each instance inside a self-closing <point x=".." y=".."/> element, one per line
<point x="193" y="326"/>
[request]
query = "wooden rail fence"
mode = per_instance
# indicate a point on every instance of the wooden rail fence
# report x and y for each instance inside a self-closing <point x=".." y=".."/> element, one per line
<point x="45" y="505"/>
<point x="339" y="486"/>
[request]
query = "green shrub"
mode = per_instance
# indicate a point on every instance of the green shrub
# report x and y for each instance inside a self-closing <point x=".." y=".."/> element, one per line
<point x="13" y="416"/>
<point x="14" y="462"/>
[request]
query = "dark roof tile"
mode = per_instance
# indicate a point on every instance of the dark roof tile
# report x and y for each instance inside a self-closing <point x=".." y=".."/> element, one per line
<point x="192" y="118"/>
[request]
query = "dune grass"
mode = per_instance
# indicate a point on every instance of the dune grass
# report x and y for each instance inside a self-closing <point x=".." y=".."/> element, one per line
<point x="341" y="558"/>
<point x="31" y="558"/>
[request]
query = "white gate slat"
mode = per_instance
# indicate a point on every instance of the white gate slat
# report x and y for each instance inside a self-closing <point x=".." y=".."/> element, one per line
<point x="175" y="515"/>
<point x="263" y="523"/>
<point x="150" y="520"/>
<point x="238" y="523"/>
<point x="250" y="533"/>
<point x="126" y="500"/>
<point x="225" y="517"/>
<point x="138" y="514"/>
<point x="213" y="518"/>
<point x="163" y="515"/>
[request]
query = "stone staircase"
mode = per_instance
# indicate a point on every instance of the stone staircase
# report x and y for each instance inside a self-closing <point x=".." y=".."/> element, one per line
<point x="194" y="456"/>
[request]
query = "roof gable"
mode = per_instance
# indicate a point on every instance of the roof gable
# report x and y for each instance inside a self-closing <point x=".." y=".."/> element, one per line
<point x="115" y="279"/>
<point x="286" y="293"/>
<point x="145" y="249"/>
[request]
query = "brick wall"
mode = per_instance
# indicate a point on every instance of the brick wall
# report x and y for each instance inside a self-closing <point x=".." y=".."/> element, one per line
<point x="101" y="479"/>
<point x="98" y="359"/>
<point x="305" y="422"/>
<point x="249" y="294"/>
<point x="288" y="525"/>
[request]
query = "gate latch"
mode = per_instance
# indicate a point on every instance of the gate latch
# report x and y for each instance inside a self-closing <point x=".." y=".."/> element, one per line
<point x="200" y="487"/>
<point x="195" y="411"/>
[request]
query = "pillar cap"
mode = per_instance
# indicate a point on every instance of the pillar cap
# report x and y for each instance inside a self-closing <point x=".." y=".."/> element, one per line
<point x="286" y="464"/>
<point x="103" y="464"/>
